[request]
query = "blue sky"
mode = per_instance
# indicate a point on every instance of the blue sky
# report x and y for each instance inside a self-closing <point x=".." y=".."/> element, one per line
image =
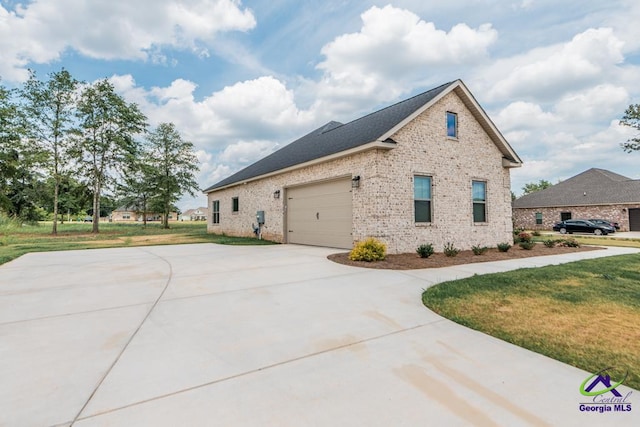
<point x="242" y="78"/>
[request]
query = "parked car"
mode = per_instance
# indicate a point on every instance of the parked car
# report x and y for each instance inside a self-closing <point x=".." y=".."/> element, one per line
<point x="582" y="226"/>
<point x="605" y="222"/>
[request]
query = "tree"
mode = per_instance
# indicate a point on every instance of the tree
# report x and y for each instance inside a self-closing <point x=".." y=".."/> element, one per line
<point x="174" y="165"/>
<point x="49" y="109"/>
<point x="631" y="118"/>
<point x="136" y="188"/>
<point x="532" y="187"/>
<point x="9" y="145"/>
<point x="105" y="135"/>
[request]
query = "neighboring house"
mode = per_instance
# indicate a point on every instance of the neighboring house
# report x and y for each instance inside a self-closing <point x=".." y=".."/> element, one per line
<point x="128" y="213"/>
<point x="430" y="169"/>
<point x="595" y="193"/>
<point x="199" y="214"/>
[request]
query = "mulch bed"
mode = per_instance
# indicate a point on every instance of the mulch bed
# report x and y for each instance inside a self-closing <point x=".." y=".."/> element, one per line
<point x="411" y="261"/>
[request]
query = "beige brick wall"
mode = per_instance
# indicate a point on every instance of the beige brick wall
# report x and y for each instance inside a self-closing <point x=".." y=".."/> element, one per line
<point x="526" y="218"/>
<point x="383" y="204"/>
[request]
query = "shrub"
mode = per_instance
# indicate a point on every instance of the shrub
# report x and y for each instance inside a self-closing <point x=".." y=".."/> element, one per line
<point x="368" y="250"/>
<point x="450" y="250"/>
<point x="425" y="251"/>
<point x="550" y="243"/>
<point x="569" y="243"/>
<point x="523" y="237"/>
<point x="527" y="245"/>
<point x="536" y="233"/>
<point x="504" y="247"/>
<point x="479" y="250"/>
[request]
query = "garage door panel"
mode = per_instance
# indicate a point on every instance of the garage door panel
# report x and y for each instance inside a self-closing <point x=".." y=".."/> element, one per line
<point x="320" y="214"/>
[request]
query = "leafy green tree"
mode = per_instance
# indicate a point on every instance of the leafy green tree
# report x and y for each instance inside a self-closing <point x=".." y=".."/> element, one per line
<point x="49" y="110"/>
<point x="174" y="165"/>
<point x="631" y="118"/>
<point x="19" y="180"/>
<point x="136" y="188"/>
<point x="107" y="127"/>
<point x="532" y="187"/>
<point x="9" y="143"/>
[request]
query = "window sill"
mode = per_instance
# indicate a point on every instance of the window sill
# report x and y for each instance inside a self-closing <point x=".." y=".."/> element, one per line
<point x="481" y="224"/>
<point x="423" y="224"/>
<point x="452" y="138"/>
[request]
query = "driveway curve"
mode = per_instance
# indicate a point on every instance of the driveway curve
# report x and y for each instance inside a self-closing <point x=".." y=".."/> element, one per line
<point x="260" y="335"/>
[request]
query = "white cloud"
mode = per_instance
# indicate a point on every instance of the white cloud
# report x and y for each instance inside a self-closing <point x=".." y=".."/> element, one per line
<point x="593" y="104"/>
<point x="246" y="152"/>
<point x="523" y="115"/>
<point x="393" y="50"/>
<point x="542" y="73"/>
<point x="112" y="29"/>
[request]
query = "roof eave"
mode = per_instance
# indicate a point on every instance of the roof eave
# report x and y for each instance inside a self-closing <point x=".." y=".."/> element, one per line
<point x="383" y="144"/>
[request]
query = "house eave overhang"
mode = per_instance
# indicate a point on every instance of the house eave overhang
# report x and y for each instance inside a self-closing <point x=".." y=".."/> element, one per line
<point x="382" y="144"/>
<point x="508" y="163"/>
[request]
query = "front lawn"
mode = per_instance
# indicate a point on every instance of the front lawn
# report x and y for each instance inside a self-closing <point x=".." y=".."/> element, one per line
<point x="17" y="240"/>
<point x="585" y="313"/>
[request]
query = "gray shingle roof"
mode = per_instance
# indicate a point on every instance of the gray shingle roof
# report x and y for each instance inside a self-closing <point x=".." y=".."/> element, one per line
<point x="334" y="137"/>
<point x="591" y="187"/>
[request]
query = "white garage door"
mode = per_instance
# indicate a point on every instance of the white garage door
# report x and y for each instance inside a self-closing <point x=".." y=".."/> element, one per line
<point x="320" y="214"/>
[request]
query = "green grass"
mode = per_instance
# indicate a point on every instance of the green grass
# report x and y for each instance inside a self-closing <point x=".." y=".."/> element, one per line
<point x="593" y="240"/>
<point x="585" y="313"/>
<point x="18" y="239"/>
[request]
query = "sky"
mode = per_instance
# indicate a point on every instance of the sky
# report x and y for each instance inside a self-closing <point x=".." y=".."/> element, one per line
<point x="240" y="79"/>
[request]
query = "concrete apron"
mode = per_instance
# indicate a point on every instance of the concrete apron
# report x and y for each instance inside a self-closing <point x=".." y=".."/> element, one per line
<point x="278" y="335"/>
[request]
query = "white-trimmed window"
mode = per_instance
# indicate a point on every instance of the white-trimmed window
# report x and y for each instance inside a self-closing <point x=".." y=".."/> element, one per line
<point x="422" y="205"/>
<point x="452" y="125"/>
<point x="479" y="192"/>
<point x="215" y="208"/>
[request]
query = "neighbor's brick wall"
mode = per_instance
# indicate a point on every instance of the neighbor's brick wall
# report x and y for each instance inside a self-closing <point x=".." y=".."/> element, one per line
<point x="526" y="218"/>
<point x="383" y="205"/>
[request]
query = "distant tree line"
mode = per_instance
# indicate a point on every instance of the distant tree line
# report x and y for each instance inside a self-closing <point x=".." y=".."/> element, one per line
<point x="69" y="147"/>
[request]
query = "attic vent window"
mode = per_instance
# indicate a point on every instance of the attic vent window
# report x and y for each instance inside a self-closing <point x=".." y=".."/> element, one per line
<point x="452" y="125"/>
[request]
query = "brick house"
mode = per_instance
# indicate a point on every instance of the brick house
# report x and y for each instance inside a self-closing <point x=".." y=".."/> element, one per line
<point x="131" y="214"/>
<point x="430" y="169"/>
<point x="198" y="214"/>
<point x="594" y="193"/>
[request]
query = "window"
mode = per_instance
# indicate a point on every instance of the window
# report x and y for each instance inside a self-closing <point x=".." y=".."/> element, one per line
<point x="422" y="198"/>
<point x="215" y="208"/>
<point x="479" y="201"/>
<point x="538" y="218"/>
<point x="452" y="125"/>
<point x="235" y="204"/>
<point x="565" y="216"/>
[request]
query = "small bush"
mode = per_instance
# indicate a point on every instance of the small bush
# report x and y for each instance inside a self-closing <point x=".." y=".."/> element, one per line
<point x="504" y="247"/>
<point x="368" y="250"/>
<point x="550" y="243"/>
<point x="569" y="243"/>
<point x="527" y="245"/>
<point x="479" y="250"/>
<point x="536" y="233"/>
<point x="450" y="250"/>
<point x="523" y="237"/>
<point x="425" y="251"/>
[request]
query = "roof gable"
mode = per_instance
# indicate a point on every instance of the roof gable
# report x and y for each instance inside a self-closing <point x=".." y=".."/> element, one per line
<point x="591" y="187"/>
<point x="335" y="138"/>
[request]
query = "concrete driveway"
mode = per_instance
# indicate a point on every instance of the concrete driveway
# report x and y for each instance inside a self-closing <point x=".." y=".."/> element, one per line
<point x="261" y="336"/>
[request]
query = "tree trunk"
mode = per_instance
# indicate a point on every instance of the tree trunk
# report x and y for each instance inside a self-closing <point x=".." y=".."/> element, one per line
<point x="96" y="210"/>
<point x="56" y="190"/>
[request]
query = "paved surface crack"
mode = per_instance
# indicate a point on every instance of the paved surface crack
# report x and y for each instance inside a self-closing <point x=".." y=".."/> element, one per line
<point x="124" y="348"/>
<point x="263" y="368"/>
